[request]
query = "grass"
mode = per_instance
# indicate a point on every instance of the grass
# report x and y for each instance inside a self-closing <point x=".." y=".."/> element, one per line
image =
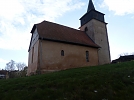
<point x="106" y="82"/>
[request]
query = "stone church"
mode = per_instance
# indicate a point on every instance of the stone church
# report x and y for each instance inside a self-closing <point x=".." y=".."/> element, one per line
<point x="55" y="47"/>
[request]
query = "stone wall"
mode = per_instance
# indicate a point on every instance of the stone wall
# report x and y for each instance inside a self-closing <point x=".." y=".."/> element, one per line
<point x="98" y="32"/>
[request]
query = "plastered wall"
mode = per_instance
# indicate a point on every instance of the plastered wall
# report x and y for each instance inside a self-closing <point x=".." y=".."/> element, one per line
<point x="33" y="59"/>
<point x="50" y="58"/>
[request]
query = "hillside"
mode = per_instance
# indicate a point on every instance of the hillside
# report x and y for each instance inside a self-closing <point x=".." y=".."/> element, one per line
<point x="107" y="82"/>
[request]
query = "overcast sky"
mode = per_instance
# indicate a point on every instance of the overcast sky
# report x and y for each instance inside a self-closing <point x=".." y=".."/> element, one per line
<point x="17" y="18"/>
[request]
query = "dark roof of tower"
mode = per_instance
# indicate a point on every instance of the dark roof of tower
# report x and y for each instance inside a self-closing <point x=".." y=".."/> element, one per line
<point x="90" y="6"/>
<point x="92" y="14"/>
<point x="55" y="32"/>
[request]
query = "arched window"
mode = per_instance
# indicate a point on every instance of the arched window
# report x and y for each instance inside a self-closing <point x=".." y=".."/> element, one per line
<point x="86" y="29"/>
<point x="32" y="54"/>
<point x="62" y="52"/>
<point x="87" y="56"/>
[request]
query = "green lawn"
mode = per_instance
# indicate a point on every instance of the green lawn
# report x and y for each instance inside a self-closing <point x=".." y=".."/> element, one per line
<point x="106" y="82"/>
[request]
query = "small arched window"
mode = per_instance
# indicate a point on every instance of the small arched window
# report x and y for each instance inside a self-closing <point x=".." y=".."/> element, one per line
<point x="62" y="52"/>
<point x="32" y="54"/>
<point x="87" y="56"/>
<point x="86" y="29"/>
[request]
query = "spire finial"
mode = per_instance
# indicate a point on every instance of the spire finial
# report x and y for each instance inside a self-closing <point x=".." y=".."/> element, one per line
<point x="90" y="6"/>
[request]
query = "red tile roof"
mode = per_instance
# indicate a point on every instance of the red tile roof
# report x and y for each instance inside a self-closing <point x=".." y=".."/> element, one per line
<point x="55" y="32"/>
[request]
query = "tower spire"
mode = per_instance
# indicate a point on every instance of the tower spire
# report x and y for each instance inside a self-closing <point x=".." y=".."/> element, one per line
<point x="90" y="6"/>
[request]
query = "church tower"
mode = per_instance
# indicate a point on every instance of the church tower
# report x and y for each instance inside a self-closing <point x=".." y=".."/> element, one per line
<point x="93" y="23"/>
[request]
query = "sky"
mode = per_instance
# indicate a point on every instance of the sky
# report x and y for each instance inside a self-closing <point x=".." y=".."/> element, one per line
<point x="17" y="18"/>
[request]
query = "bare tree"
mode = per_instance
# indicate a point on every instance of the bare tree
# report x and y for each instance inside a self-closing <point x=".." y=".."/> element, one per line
<point x="10" y="66"/>
<point x="20" y="66"/>
<point x="124" y="54"/>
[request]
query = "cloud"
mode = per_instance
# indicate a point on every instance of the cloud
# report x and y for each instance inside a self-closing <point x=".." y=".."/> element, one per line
<point x="18" y="16"/>
<point x="120" y="7"/>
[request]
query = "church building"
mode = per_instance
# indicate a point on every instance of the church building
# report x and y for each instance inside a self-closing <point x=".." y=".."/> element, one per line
<point x="55" y="47"/>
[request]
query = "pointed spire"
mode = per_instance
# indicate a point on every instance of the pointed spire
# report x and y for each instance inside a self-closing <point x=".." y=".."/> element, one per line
<point x="90" y="6"/>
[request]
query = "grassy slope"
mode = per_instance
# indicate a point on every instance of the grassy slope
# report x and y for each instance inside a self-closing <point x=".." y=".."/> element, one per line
<point x="107" y="82"/>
